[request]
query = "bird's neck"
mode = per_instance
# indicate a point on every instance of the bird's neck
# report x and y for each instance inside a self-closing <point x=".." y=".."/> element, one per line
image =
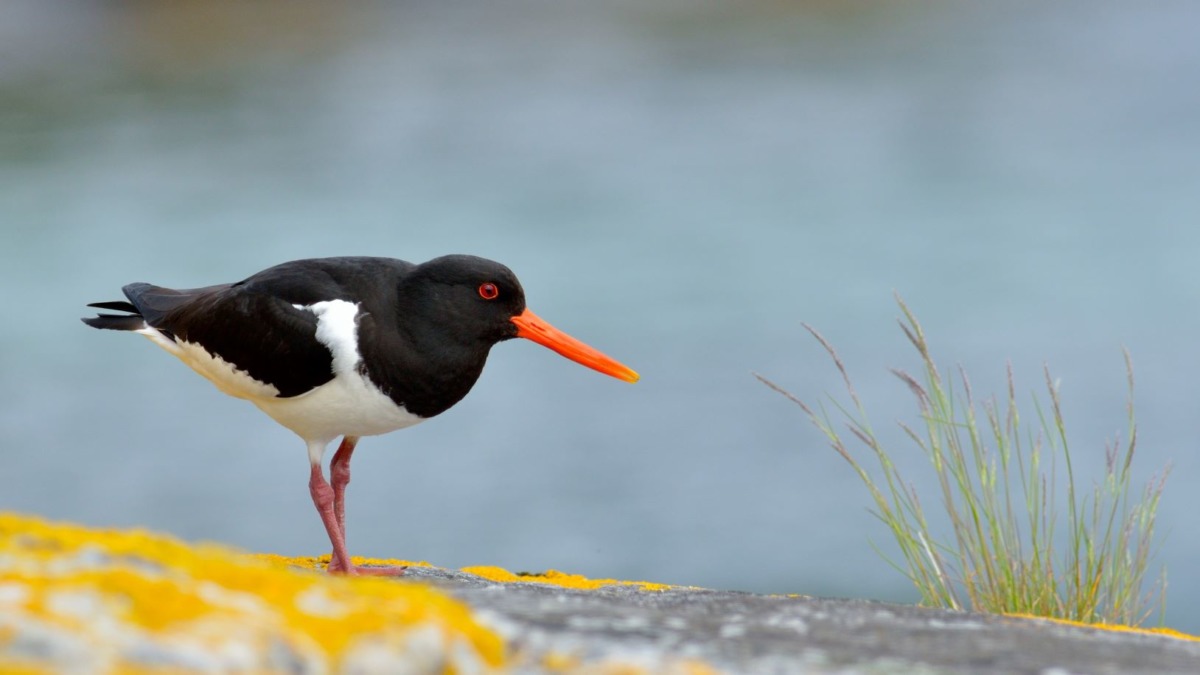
<point x="421" y="367"/>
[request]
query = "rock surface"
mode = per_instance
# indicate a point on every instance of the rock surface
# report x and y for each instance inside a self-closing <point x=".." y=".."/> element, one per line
<point x="79" y="600"/>
<point x="746" y="633"/>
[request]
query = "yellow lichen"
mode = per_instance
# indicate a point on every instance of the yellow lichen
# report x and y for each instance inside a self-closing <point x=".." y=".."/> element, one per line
<point x="319" y="562"/>
<point x="556" y="578"/>
<point x="62" y="575"/>
<point x="1114" y="627"/>
<point x="560" y="662"/>
<point x="14" y="668"/>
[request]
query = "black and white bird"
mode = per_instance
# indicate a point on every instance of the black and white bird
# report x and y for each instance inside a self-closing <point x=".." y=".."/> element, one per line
<point x="346" y="347"/>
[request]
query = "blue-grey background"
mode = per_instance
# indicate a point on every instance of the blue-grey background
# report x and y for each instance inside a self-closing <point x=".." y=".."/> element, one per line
<point x="677" y="183"/>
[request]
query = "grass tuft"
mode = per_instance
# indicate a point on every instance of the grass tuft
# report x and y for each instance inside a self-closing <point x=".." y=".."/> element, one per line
<point x="1000" y="488"/>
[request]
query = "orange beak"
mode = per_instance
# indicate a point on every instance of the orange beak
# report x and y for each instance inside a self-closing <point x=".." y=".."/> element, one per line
<point x="530" y="327"/>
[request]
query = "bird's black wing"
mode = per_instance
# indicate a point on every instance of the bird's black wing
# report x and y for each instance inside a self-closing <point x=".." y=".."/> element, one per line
<point x="259" y="324"/>
<point x="255" y="330"/>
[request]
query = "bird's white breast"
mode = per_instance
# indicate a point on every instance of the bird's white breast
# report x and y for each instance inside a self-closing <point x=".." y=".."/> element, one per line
<point x="347" y="405"/>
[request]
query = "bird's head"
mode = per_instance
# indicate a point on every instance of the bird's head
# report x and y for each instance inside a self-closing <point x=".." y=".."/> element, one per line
<point x="485" y="303"/>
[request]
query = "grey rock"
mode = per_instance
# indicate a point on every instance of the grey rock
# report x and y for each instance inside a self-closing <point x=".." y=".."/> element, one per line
<point x="747" y="633"/>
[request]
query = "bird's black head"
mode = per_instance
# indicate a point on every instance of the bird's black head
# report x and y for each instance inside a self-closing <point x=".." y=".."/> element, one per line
<point x="474" y="303"/>
<point x="466" y="298"/>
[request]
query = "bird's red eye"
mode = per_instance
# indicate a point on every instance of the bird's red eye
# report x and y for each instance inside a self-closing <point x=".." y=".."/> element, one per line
<point x="488" y="291"/>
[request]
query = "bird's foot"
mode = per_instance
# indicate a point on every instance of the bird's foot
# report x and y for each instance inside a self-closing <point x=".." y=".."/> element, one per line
<point x="340" y="567"/>
<point x="366" y="571"/>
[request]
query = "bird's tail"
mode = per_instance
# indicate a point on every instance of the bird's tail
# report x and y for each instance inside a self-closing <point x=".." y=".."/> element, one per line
<point x="131" y="321"/>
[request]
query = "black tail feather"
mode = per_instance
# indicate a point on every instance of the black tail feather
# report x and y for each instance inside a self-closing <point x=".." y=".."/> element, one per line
<point x="116" y="322"/>
<point x="131" y="321"/>
<point x="116" y="305"/>
<point x="149" y="306"/>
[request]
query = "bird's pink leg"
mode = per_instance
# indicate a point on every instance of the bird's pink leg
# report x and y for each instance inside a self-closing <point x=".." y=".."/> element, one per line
<point x="339" y="477"/>
<point x="322" y="496"/>
<point x="330" y="501"/>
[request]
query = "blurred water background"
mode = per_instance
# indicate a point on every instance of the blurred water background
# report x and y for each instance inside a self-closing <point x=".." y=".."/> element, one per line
<point x="677" y="183"/>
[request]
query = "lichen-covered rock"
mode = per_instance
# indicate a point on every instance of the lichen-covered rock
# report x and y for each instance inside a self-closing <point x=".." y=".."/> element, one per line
<point x="77" y="600"/>
<point x="90" y="601"/>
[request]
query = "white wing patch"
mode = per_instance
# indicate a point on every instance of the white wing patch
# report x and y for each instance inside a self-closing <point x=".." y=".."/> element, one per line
<point x="350" y="404"/>
<point x="337" y="329"/>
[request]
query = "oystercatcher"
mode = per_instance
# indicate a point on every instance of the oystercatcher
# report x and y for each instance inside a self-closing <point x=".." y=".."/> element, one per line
<point x="347" y="347"/>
